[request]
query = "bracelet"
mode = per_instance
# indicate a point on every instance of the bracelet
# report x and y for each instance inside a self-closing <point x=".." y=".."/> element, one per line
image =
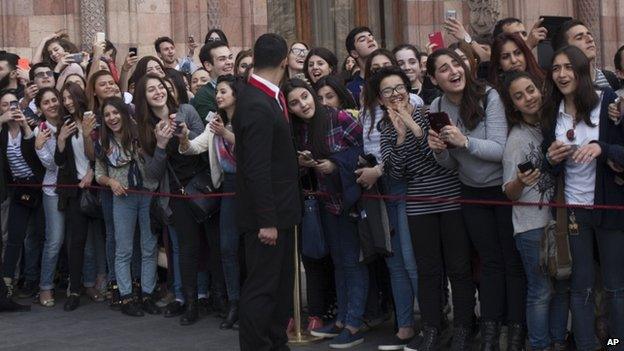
<point x="466" y="144"/>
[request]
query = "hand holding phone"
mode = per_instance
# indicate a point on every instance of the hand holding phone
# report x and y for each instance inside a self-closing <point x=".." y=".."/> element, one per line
<point x="526" y="166"/>
<point x="133" y="51"/>
<point x="439" y="120"/>
<point x="436" y="41"/>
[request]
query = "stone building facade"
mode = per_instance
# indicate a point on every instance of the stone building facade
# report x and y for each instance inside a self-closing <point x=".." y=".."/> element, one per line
<point x="320" y="22"/>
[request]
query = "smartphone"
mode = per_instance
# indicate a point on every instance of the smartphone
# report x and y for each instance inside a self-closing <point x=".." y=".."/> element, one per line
<point x="305" y="155"/>
<point x="552" y="24"/>
<point x="437" y="40"/>
<point x="178" y="127"/>
<point x="100" y="37"/>
<point x="438" y="120"/>
<point x="13" y="105"/>
<point x="67" y="119"/>
<point x="526" y="166"/>
<point x="23" y="63"/>
<point x="43" y="126"/>
<point x="76" y="58"/>
<point x="451" y="14"/>
<point x="133" y="50"/>
<point x="87" y="114"/>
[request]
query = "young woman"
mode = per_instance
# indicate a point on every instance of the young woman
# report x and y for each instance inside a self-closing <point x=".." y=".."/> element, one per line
<point x="56" y="52"/>
<point x="219" y="139"/>
<point x="332" y="93"/>
<point x="147" y="65"/>
<point x="547" y="300"/>
<point x="154" y="105"/>
<point x="510" y="53"/>
<point x="349" y="69"/>
<point x="100" y="86"/>
<point x="474" y="145"/>
<point x="122" y="165"/>
<point x="77" y="79"/>
<point x="320" y="62"/>
<point x="215" y="34"/>
<point x="467" y="55"/>
<point x="407" y="57"/>
<point x="178" y="85"/>
<point x="244" y="60"/>
<point x="21" y="166"/>
<point x="199" y="79"/>
<point x="296" y="58"/>
<point x="437" y="230"/>
<point x="581" y="141"/>
<point x="327" y="137"/>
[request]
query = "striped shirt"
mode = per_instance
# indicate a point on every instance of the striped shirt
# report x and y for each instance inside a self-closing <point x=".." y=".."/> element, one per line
<point x="413" y="161"/>
<point x="601" y="80"/>
<point x="19" y="168"/>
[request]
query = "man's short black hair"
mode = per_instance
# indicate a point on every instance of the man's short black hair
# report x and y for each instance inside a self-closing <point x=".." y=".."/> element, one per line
<point x="269" y="51"/>
<point x="617" y="61"/>
<point x="205" y="54"/>
<point x="560" y="39"/>
<point x="350" y="41"/>
<point x="161" y="40"/>
<point x="11" y="58"/>
<point x="31" y="74"/>
<point x="498" y="27"/>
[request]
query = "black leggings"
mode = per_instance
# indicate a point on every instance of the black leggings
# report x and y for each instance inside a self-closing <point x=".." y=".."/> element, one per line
<point x="77" y="228"/>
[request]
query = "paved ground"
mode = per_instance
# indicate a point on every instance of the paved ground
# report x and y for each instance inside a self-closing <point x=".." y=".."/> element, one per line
<point x="95" y="327"/>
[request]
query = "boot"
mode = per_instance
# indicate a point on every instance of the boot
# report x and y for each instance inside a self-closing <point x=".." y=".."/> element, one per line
<point x="462" y="338"/>
<point x="232" y="316"/>
<point x="490" y="335"/>
<point x="428" y="340"/>
<point x="7" y="304"/>
<point x="516" y="337"/>
<point x="191" y="314"/>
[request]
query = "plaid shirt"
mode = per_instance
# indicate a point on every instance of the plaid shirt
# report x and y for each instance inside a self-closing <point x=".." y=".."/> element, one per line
<point x="344" y="132"/>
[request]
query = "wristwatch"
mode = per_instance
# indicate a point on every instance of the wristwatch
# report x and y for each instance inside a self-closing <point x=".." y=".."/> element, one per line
<point x="467" y="38"/>
<point x="466" y="144"/>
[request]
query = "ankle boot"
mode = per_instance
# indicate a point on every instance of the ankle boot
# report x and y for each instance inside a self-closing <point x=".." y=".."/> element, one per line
<point x="191" y="314"/>
<point x="490" y="335"/>
<point x="232" y="316"/>
<point x="462" y="338"/>
<point x="516" y="337"/>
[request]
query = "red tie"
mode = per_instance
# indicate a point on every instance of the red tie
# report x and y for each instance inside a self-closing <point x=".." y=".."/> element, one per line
<point x="282" y="100"/>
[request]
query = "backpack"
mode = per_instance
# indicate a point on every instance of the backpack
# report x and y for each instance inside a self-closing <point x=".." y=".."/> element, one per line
<point x="555" y="255"/>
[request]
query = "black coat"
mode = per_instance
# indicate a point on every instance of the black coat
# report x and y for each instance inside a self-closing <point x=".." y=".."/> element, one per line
<point x="29" y="154"/>
<point x="607" y="192"/>
<point x="67" y="173"/>
<point x="267" y="175"/>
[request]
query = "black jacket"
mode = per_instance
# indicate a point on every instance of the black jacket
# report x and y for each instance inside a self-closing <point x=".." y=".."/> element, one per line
<point x="67" y="173"/>
<point x="607" y="192"/>
<point x="29" y="154"/>
<point x="267" y="175"/>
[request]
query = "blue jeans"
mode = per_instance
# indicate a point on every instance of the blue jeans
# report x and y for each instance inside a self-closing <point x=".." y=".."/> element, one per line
<point x="54" y="236"/>
<point x="400" y="278"/>
<point x="351" y="275"/>
<point x="126" y="210"/>
<point x="548" y="300"/>
<point x="230" y="239"/>
<point x="610" y="244"/>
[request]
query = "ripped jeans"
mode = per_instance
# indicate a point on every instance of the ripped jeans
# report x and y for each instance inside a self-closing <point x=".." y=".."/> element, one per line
<point x="610" y="245"/>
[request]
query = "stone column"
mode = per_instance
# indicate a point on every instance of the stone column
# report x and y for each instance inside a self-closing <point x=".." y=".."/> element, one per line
<point x="92" y="20"/>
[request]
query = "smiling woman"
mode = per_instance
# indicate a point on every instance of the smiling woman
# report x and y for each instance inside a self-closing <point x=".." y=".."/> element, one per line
<point x="320" y="62"/>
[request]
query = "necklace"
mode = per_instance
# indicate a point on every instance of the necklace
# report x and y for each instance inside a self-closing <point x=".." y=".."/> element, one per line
<point x="570" y="133"/>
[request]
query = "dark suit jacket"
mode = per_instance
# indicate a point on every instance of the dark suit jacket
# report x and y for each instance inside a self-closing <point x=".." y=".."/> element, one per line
<point x="267" y="175"/>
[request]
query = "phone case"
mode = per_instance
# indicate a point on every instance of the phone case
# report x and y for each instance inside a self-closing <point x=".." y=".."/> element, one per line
<point x="437" y="40"/>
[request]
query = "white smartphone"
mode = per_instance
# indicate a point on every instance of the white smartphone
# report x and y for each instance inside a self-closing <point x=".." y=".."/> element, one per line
<point x="100" y="37"/>
<point x="451" y="14"/>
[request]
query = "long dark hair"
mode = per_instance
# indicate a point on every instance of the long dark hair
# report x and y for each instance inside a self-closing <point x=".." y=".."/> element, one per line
<point x="145" y="117"/>
<point x="128" y="126"/>
<point x="497" y="48"/>
<point x="79" y="98"/>
<point x="177" y="80"/>
<point x="219" y="32"/>
<point x="514" y="116"/>
<point x="67" y="45"/>
<point x="141" y="68"/>
<point x="585" y="97"/>
<point x="56" y="93"/>
<point x="326" y="55"/>
<point x="332" y="81"/>
<point x="370" y="96"/>
<point x="470" y="108"/>
<point x="235" y="83"/>
<point x="319" y="123"/>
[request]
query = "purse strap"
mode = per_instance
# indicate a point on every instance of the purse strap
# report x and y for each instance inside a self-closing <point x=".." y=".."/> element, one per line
<point x="562" y="213"/>
<point x="175" y="178"/>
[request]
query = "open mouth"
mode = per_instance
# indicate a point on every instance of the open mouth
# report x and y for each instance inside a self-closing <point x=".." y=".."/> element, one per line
<point x="316" y="73"/>
<point x="563" y="84"/>
<point x="456" y="79"/>
<point x="396" y="99"/>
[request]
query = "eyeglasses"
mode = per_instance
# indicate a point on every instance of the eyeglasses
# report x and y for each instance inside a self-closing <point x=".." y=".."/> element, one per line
<point x="399" y="89"/>
<point x="213" y="39"/>
<point x="44" y="74"/>
<point x="299" y="51"/>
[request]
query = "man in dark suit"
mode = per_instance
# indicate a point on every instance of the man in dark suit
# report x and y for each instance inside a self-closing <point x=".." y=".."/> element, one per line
<point x="268" y="199"/>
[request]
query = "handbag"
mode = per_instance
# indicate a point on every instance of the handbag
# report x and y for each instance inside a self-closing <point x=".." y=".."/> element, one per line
<point x="27" y="196"/>
<point x="555" y="255"/>
<point x="90" y="204"/>
<point x="202" y="208"/>
<point x="313" y="242"/>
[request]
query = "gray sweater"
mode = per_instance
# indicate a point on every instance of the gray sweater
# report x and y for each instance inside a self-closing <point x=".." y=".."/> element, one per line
<point x="480" y="165"/>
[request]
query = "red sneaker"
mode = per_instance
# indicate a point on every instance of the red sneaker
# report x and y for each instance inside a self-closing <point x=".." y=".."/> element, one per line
<point x="314" y="323"/>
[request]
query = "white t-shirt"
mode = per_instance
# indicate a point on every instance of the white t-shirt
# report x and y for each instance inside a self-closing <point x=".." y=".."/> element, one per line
<point x="80" y="159"/>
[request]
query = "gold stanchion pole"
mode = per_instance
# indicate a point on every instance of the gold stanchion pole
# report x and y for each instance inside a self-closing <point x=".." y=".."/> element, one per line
<point x="298" y="338"/>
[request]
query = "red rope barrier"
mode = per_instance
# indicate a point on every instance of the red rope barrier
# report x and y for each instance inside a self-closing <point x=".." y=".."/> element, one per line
<point x="408" y="198"/>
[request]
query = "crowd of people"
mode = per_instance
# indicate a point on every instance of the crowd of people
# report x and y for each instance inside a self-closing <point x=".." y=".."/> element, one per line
<point x="375" y="159"/>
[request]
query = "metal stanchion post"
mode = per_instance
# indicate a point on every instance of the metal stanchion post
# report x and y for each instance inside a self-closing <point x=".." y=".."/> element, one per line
<point x="298" y="338"/>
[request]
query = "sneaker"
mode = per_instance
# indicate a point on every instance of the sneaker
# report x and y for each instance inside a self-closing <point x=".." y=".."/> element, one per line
<point x="346" y="340"/>
<point x="329" y="331"/>
<point x="394" y="343"/>
<point x="427" y="340"/>
<point x="314" y="323"/>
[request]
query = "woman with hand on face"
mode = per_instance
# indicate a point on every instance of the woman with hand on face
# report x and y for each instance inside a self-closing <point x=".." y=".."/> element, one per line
<point x="547" y="299"/>
<point x="21" y="166"/>
<point x="121" y="165"/>
<point x="156" y="109"/>
<point x="319" y="63"/>
<point x="326" y="139"/>
<point x="218" y="140"/>
<point x="473" y="141"/>
<point x="296" y="59"/>
<point x="582" y="140"/>
<point x="510" y="53"/>
<point x="438" y="237"/>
